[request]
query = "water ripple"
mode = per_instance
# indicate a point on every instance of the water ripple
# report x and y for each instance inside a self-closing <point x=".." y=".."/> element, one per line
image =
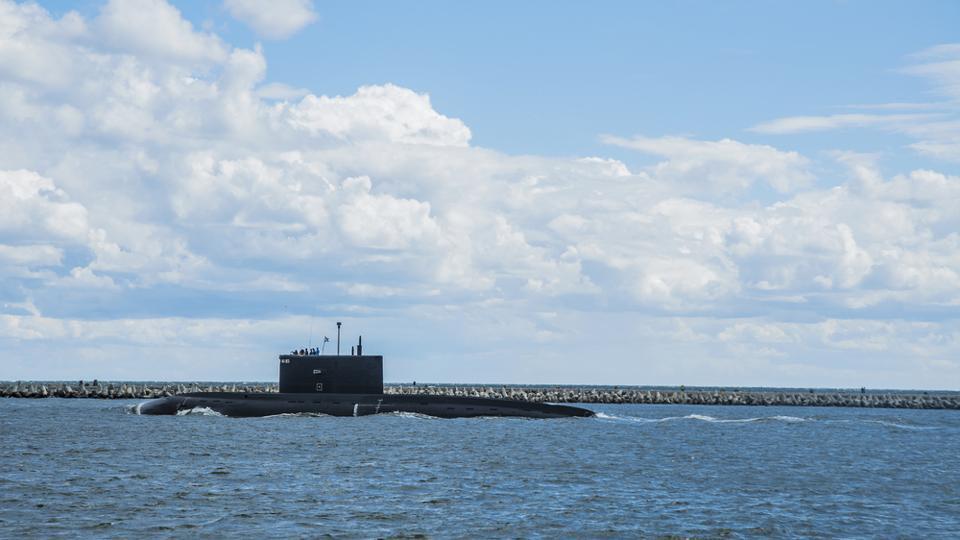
<point x="88" y="467"/>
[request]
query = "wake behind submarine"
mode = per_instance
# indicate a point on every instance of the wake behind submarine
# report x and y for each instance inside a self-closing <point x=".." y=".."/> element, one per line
<point x="341" y="385"/>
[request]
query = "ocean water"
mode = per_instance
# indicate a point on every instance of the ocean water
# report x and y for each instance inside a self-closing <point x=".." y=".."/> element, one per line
<point x="96" y="468"/>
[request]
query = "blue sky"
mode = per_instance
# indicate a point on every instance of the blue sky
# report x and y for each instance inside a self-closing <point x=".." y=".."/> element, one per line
<point x="548" y="77"/>
<point x="747" y="193"/>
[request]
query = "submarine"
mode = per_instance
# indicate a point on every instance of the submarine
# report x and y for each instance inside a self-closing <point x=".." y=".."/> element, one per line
<point x="347" y="385"/>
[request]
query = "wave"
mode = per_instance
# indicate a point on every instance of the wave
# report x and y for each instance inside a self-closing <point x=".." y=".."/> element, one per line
<point x="200" y="411"/>
<point x="774" y="418"/>
<point x="704" y="418"/>
<point x="297" y="415"/>
<point x="403" y="414"/>
<point x="899" y="426"/>
<point x="785" y="418"/>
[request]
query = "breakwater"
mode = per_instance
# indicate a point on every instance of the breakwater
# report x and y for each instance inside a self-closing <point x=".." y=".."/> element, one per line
<point x="621" y="395"/>
<point x="120" y="390"/>
<point x="551" y="394"/>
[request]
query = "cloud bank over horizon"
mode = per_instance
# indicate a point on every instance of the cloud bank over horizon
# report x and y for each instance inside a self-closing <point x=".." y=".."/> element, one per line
<point x="168" y="212"/>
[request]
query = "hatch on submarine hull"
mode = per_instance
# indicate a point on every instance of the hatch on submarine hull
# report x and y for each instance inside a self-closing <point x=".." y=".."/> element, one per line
<point x="341" y="385"/>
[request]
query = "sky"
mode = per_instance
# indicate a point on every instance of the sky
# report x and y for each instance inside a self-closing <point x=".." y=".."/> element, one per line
<point x="698" y="193"/>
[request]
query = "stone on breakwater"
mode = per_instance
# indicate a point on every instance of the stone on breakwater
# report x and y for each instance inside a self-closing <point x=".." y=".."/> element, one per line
<point x="714" y="397"/>
<point x="118" y="390"/>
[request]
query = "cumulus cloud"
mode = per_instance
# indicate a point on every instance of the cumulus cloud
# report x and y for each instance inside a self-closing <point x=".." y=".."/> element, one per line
<point x="33" y="206"/>
<point x="273" y="19"/>
<point x="385" y="112"/>
<point x="383" y="221"/>
<point x="155" y="193"/>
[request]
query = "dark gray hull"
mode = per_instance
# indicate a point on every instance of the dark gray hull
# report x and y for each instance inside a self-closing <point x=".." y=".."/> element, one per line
<point x="236" y="404"/>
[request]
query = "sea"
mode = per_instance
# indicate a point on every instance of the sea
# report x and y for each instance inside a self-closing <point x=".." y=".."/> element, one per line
<point x="96" y="468"/>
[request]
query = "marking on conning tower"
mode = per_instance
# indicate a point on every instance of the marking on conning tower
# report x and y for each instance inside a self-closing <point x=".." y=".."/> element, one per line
<point x="355" y="405"/>
<point x="379" y="401"/>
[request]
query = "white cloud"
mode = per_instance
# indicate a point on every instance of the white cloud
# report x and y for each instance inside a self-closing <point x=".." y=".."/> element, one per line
<point x="156" y="29"/>
<point x="31" y="255"/>
<point x="281" y="91"/>
<point x="937" y="133"/>
<point x="384" y="221"/>
<point x="385" y="112"/>
<point x="273" y="19"/>
<point x="157" y="175"/>
<point x="32" y="208"/>
<point x="35" y="48"/>
<point x="945" y="150"/>
<point x="801" y="124"/>
<point x="679" y="283"/>
<point x="724" y="165"/>
<point x="941" y="64"/>
<point x="85" y="278"/>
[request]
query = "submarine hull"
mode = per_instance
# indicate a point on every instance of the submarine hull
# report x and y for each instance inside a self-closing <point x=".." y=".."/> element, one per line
<point x="238" y="404"/>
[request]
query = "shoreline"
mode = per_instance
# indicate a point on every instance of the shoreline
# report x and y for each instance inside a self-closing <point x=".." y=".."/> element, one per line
<point x="892" y="399"/>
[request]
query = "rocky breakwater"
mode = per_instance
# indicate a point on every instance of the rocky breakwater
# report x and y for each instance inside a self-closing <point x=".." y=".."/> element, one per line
<point x="119" y="390"/>
<point x="550" y="394"/>
<point x="897" y="400"/>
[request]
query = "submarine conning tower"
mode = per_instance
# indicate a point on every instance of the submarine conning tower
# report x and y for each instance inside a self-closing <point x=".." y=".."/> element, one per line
<point x="332" y="374"/>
